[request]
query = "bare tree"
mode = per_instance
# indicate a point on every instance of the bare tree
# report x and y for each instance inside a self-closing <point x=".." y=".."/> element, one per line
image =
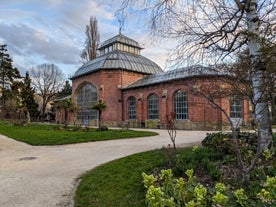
<point x="47" y="80"/>
<point x="216" y="90"/>
<point x="215" y="31"/>
<point x="92" y="41"/>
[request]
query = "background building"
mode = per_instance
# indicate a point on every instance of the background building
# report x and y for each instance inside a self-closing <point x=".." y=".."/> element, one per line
<point x="138" y="91"/>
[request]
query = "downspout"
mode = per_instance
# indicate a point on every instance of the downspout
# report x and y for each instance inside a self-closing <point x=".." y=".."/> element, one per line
<point x="123" y="105"/>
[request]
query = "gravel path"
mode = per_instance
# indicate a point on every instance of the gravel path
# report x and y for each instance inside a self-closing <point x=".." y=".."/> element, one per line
<point x="36" y="176"/>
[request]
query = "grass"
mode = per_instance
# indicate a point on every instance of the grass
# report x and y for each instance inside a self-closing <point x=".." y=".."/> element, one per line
<point x="118" y="183"/>
<point x="49" y="135"/>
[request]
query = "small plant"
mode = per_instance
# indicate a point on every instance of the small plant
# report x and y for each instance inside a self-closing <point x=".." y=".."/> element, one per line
<point x="165" y="190"/>
<point x="241" y="197"/>
<point x="220" y="199"/>
<point x="171" y="129"/>
<point x="100" y="107"/>
<point x="103" y="128"/>
<point x="268" y="192"/>
<point x="268" y="154"/>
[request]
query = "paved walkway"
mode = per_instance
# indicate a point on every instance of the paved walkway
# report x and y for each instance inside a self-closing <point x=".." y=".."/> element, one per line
<point x="36" y="176"/>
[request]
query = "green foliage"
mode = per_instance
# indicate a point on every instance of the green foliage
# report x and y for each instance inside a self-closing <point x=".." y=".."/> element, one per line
<point x="268" y="154"/>
<point x="241" y="197"/>
<point x="7" y="72"/>
<point x="223" y="141"/>
<point x="114" y="185"/>
<point x="47" y="135"/>
<point x="99" y="106"/>
<point x="219" y="198"/>
<point x="29" y="104"/>
<point x="198" y="158"/>
<point x="164" y="190"/>
<point x="268" y="192"/>
<point x="117" y="183"/>
<point x="65" y="91"/>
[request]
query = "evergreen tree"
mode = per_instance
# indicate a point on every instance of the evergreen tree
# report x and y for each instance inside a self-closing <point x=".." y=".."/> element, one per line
<point x="7" y="72"/>
<point x="65" y="91"/>
<point x="27" y="97"/>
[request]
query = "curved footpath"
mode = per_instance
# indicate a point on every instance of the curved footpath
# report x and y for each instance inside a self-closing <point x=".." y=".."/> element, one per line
<point x="45" y="176"/>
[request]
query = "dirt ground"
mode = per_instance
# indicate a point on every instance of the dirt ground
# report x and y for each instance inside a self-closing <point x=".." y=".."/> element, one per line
<point x="36" y="176"/>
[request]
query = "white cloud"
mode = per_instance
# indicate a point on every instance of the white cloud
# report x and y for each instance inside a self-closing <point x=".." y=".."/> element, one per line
<point x="53" y="31"/>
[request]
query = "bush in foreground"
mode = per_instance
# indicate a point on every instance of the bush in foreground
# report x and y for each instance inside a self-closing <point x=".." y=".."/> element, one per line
<point x="165" y="191"/>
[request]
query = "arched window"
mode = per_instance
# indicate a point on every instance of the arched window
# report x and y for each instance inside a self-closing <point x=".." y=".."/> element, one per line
<point x="131" y="102"/>
<point x="181" y="105"/>
<point x="153" y="110"/>
<point x="86" y="97"/>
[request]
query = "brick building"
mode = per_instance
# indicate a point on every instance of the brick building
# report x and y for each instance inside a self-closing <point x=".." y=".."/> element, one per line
<point x="138" y="91"/>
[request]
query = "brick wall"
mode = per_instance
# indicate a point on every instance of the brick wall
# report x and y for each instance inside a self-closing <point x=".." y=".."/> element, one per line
<point x="201" y="114"/>
<point x="108" y="84"/>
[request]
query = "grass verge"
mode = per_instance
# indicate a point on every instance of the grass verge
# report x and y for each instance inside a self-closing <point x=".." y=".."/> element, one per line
<point x="118" y="183"/>
<point x="49" y="135"/>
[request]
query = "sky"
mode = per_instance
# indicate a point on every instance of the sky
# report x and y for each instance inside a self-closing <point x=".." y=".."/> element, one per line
<point x="53" y="31"/>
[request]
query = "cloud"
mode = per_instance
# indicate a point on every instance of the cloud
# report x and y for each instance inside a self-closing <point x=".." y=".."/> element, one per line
<point x="26" y="41"/>
<point x="53" y="31"/>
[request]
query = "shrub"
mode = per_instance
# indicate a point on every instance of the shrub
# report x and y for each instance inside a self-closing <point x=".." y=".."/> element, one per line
<point x="102" y="128"/>
<point x="165" y="190"/>
<point x="223" y="141"/>
<point x="201" y="159"/>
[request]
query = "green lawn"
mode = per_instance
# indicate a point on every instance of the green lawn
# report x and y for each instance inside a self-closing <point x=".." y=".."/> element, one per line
<point x="49" y="135"/>
<point x="118" y="183"/>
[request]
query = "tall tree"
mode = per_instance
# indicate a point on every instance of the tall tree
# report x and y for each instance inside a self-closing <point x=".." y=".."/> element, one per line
<point x="7" y="72"/>
<point x="47" y="79"/>
<point x="27" y="98"/>
<point x="65" y="91"/>
<point x="92" y="41"/>
<point x="215" y="31"/>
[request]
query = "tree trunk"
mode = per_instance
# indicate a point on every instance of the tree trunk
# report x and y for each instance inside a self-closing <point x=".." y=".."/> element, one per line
<point x="66" y="117"/>
<point x="100" y="120"/>
<point x="261" y="110"/>
<point x="28" y="117"/>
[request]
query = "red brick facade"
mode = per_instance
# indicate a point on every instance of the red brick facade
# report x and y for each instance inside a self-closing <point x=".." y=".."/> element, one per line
<point x="108" y="84"/>
<point x="120" y="72"/>
<point x="110" y="88"/>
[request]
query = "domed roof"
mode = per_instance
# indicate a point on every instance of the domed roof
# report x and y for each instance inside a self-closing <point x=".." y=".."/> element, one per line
<point x="119" y="60"/>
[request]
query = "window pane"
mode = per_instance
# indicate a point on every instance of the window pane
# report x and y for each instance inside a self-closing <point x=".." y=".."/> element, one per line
<point x="86" y="97"/>
<point x="153" y="108"/>
<point x="235" y="107"/>
<point x="181" y="105"/>
<point x="131" y="108"/>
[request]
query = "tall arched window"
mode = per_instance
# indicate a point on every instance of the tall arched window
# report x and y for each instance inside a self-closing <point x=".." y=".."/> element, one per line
<point x="86" y="97"/>
<point x="131" y="102"/>
<point x="153" y="110"/>
<point x="181" y="105"/>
